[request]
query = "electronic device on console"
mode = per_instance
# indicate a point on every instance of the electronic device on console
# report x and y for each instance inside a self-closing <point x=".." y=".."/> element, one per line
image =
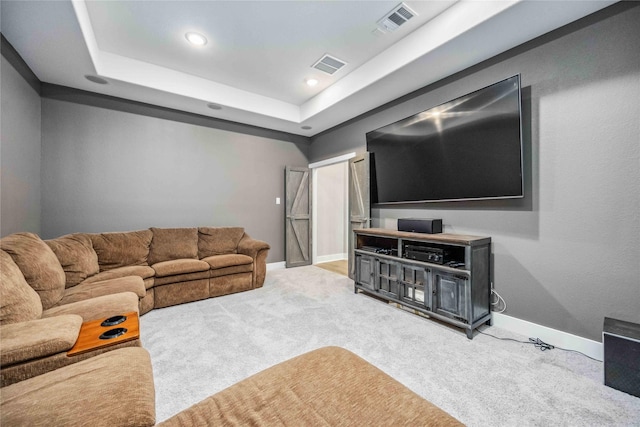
<point x="420" y="225"/>
<point x="434" y="255"/>
<point x="376" y="250"/>
<point x="424" y="253"/>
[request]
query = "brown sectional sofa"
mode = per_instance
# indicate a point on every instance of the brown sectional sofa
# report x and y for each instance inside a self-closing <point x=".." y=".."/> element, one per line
<point x="50" y="287"/>
<point x="176" y="265"/>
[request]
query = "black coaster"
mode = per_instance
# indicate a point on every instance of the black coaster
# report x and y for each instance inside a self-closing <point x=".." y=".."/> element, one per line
<point x="112" y="333"/>
<point x="112" y="321"/>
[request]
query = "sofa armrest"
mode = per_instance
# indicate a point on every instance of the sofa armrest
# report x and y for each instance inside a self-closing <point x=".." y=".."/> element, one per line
<point x="250" y="246"/>
<point x="258" y="250"/>
<point x="24" y="341"/>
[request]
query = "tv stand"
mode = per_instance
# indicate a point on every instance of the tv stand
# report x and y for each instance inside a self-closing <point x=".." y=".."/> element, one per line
<point x="444" y="276"/>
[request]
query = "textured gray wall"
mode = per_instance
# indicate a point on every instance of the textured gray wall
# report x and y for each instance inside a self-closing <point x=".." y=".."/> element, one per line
<point x="108" y="170"/>
<point x="569" y="253"/>
<point x="19" y="153"/>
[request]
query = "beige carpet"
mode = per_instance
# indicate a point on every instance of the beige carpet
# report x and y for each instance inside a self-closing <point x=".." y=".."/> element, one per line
<point x="203" y="347"/>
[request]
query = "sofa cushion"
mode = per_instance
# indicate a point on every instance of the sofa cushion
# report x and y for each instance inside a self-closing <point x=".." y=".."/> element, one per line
<point x="218" y="240"/>
<point x="76" y="255"/>
<point x="105" y="287"/>
<point x="173" y="243"/>
<point x="98" y="307"/>
<point x="142" y="271"/>
<point x="112" y="389"/>
<point x="38" y="264"/>
<point x="179" y="266"/>
<point x="230" y="260"/>
<point x="18" y="301"/>
<point x="122" y="249"/>
<point x="38" y="338"/>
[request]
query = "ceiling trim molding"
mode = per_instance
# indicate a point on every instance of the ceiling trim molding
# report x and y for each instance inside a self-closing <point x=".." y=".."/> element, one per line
<point x="78" y="96"/>
<point x="13" y="57"/>
<point x="153" y="76"/>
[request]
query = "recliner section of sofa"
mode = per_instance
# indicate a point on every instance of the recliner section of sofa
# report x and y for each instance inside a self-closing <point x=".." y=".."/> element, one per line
<point x="35" y="341"/>
<point x="114" y="389"/>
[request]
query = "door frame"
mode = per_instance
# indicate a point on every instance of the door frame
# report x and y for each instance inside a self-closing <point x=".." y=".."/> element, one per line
<point x="314" y="197"/>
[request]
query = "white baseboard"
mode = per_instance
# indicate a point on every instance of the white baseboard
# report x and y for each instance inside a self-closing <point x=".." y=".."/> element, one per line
<point x="329" y="258"/>
<point x="551" y="336"/>
<point x="276" y="265"/>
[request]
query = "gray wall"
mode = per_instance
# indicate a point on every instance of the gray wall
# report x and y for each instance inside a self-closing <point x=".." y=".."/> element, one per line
<point x="19" y="153"/>
<point x="569" y="253"/>
<point x="331" y="219"/>
<point x="109" y="170"/>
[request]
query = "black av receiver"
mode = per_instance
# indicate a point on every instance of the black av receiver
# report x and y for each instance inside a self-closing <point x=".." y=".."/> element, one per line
<point x="424" y="253"/>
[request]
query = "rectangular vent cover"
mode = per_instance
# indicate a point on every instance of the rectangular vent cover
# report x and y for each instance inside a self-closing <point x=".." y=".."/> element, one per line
<point x="394" y="19"/>
<point x="328" y="64"/>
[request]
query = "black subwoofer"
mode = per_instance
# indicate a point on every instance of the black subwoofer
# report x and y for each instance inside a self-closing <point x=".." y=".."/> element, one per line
<point x="622" y="355"/>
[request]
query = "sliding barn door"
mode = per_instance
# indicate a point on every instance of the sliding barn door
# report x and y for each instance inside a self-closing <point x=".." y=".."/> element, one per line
<point x="359" y="201"/>
<point x="298" y="216"/>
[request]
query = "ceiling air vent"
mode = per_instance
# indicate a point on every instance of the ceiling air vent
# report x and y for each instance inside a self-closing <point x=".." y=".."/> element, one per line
<point x="394" y="19"/>
<point x="328" y="64"/>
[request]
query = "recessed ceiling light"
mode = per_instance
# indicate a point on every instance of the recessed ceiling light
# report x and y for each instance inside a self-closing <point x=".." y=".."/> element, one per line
<point x="96" y="79"/>
<point x="312" y="82"/>
<point x="196" y="39"/>
<point x="306" y="127"/>
<point x="214" y="106"/>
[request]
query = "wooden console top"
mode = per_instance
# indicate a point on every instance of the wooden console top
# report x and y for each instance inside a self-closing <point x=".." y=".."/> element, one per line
<point x="460" y="239"/>
<point x="89" y="336"/>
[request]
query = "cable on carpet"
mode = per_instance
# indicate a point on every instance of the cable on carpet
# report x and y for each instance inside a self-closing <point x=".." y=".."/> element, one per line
<point x="497" y="302"/>
<point x="538" y="343"/>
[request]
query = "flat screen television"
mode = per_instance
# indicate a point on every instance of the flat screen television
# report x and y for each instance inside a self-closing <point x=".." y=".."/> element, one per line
<point x="469" y="148"/>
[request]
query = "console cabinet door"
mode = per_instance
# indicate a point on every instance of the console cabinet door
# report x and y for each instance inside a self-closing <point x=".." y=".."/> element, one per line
<point x="416" y="286"/>
<point x="387" y="274"/>
<point x="365" y="267"/>
<point x="449" y="295"/>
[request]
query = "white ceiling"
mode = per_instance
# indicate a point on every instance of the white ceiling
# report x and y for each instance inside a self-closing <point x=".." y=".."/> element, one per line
<point x="260" y="52"/>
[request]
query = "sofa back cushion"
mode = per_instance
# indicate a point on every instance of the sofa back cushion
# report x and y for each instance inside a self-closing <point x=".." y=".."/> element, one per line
<point x="38" y="264"/>
<point x="18" y="301"/>
<point x="173" y="243"/>
<point x="218" y="240"/>
<point x="77" y="257"/>
<point x="117" y="250"/>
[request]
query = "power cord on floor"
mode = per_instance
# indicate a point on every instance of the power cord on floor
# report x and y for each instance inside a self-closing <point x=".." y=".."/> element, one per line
<point x="497" y="302"/>
<point x="538" y="343"/>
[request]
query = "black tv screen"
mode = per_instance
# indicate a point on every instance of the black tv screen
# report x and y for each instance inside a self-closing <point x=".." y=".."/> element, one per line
<point x="466" y="149"/>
